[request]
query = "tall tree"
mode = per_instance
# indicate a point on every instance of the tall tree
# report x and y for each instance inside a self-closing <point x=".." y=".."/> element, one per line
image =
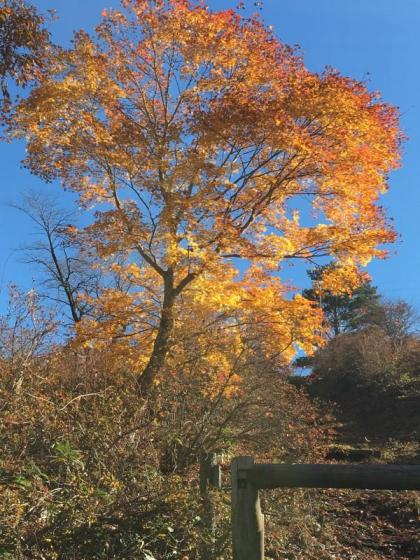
<point x="195" y="134"/>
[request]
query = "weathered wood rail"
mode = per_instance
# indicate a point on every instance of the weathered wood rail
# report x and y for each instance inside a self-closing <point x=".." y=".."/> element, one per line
<point x="248" y="478"/>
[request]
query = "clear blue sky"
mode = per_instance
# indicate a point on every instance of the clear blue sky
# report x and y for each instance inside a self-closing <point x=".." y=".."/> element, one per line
<point x="377" y="40"/>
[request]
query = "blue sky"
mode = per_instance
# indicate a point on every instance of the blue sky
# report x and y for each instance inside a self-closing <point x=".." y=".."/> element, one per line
<point x="373" y="40"/>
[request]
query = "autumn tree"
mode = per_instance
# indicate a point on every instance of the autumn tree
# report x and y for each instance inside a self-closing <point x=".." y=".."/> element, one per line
<point x="198" y="137"/>
<point x="24" y="40"/>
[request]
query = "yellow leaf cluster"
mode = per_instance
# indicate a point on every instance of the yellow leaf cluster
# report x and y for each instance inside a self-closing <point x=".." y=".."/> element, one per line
<point x="197" y="137"/>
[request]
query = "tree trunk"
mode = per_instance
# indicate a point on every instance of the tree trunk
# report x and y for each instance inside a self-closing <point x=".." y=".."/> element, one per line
<point x="161" y="343"/>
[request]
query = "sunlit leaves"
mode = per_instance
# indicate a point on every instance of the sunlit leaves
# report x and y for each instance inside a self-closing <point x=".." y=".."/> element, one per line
<point x="198" y="137"/>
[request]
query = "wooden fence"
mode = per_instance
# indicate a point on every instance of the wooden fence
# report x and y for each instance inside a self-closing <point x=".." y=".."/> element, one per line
<point x="248" y="478"/>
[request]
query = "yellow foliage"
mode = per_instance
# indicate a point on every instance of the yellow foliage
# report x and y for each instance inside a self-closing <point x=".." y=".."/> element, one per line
<point x="194" y="134"/>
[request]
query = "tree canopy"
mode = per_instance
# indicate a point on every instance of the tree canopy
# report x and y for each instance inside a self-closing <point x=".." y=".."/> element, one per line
<point x="198" y="138"/>
<point x="24" y="40"/>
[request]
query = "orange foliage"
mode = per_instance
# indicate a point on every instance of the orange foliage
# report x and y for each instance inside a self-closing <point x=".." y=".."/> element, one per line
<point x="197" y="136"/>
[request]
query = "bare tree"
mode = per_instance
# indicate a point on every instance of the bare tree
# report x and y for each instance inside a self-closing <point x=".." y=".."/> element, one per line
<point x="399" y="319"/>
<point x="68" y="279"/>
<point x="27" y="331"/>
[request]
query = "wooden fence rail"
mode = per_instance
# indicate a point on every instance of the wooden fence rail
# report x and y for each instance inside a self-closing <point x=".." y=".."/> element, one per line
<point x="248" y="478"/>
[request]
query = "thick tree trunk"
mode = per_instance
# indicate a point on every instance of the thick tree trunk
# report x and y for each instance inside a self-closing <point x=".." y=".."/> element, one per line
<point x="162" y="340"/>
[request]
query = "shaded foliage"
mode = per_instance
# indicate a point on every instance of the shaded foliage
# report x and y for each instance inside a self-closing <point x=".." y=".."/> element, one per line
<point x="344" y="311"/>
<point x="374" y="373"/>
<point x="24" y="41"/>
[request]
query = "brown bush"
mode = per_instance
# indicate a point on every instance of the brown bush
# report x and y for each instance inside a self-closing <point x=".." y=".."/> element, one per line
<point x="89" y="470"/>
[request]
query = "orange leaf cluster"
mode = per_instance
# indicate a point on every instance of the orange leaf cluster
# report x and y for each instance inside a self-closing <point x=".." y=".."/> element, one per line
<point x="198" y="137"/>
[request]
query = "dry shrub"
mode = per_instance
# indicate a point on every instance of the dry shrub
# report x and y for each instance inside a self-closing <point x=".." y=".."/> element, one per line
<point x="91" y="470"/>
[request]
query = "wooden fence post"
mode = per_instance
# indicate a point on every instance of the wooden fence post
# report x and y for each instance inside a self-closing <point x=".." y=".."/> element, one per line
<point x="247" y="519"/>
<point x="210" y="475"/>
<point x="247" y="479"/>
